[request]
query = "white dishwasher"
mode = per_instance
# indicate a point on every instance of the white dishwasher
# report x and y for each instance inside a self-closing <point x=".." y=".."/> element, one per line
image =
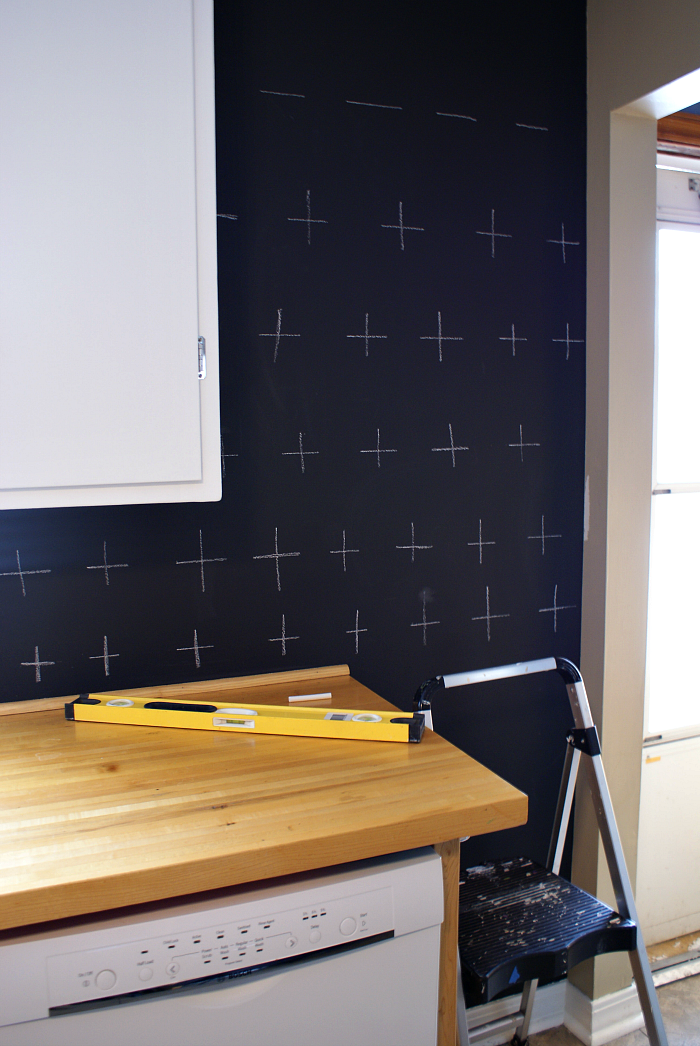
<point x="347" y="956"/>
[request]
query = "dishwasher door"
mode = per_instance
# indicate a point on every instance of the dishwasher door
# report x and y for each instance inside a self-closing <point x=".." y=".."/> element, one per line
<point x="380" y="991"/>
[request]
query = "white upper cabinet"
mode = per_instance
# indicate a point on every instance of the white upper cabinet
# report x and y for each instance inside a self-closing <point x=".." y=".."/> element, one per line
<point x="107" y="253"/>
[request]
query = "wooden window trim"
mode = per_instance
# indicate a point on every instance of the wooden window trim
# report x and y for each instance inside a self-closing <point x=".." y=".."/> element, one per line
<point x="679" y="134"/>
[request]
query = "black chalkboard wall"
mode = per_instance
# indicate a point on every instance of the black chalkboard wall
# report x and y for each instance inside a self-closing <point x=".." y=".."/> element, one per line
<point x="402" y="306"/>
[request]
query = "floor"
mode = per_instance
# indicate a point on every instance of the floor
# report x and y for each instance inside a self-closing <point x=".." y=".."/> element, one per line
<point x="680" y="1009"/>
<point x="670" y="951"/>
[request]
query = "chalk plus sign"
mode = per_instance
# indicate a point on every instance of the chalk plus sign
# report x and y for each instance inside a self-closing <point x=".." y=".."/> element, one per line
<point x="356" y="631"/>
<point x="493" y="234"/>
<point x="564" y="243"/>
<point x="424" y="623"/>
<point x="343" y="551"/>
<point x="439" y="337"/>
<point x="521" y="444"/>
<point x="201" y="560"/>
<point x="197" y="646"/>
<point x="511" y="337"/>
<point x="366" y="336"/>
<point x="21" y="574"/>
<point x="480" y="543"/>
<point x="403" y="228"/>
<point x="413" y="546"/>
<point x="301" y="453"/>
<point x="488" y="617"/>
<point x="284" y="638"/>
<point x="104" y="656"/>
<point x="555" y="609"/>
<point x="278" y="334"/>
<point x="277" y="556"/>
<point x="308" y="220"/>
<point x="104" y="565"/>
<point x="451" y="449"/>
<point x="36" y="664"/>
<point x="569" y="341"/>
<point x="377" y="450"/>
<point x="223" y="459"/>
<point x="542" y="536"/>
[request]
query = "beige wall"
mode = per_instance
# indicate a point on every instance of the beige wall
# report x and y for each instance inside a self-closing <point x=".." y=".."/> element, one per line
<point x="635" y="49"/>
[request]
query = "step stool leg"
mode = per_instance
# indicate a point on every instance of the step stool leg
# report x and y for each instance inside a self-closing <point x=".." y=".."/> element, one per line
<point x="565" y="801"/>
<point x="526" y="1004"/>
<point x="612" y="844"/>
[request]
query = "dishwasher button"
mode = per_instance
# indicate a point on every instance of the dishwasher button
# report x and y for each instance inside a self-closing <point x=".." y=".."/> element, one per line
<point x="348" y="926"/>
<point x="315" y="936"/>
<point x="145" y="973"/>
<point x="291" y="941"/>
<point x="106" y="979"/>
<point x="172" y="969"/>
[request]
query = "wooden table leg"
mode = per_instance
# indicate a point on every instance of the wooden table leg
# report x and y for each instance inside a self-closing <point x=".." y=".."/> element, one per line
<point x="447" y="1001"/>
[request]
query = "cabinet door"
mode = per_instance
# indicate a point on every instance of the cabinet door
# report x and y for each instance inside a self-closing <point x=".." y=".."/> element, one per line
<point x="108" y="271"/>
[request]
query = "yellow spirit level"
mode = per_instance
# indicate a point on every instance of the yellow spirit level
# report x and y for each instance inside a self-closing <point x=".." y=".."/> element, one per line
<point x="258" y="719"/>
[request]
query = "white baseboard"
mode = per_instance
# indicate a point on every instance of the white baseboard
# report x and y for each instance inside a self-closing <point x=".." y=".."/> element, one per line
<point x="593" y="1021"/>
<point x="548" y="1012"/>
<point x="597" y="1021"/>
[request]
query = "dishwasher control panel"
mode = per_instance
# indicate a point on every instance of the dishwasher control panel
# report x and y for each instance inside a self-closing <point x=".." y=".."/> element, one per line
<point x="214" y="948"/>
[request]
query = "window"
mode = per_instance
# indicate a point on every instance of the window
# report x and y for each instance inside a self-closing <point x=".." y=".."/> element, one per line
<point x="673" y="684"/>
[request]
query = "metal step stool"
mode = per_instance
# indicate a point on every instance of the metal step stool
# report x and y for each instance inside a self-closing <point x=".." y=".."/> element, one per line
<point x="520" y="923"/>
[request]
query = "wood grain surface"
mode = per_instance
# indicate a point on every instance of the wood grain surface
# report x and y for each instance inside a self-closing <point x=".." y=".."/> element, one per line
<point x="97" y="816"/>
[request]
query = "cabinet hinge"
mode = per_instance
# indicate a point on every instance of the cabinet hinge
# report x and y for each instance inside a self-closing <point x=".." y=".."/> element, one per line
<point x="202" y="357"/>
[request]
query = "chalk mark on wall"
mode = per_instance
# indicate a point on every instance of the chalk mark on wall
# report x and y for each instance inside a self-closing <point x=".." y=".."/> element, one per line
<point x="21" y="574"/>
<point x="201" y="560"/>
<point x="231" y="217"/>
<point x="278" y="334"/>
<point x="413" y="546"/>
<point x="452" y="449"/>
<point x="374" y="105"/>
<point x="36" y="664"/>
<point x="284" y="638"/>
<point x="105" y="656"/>
<point x="542" y="536"/>
<point x="277" y="556"/>
<point x="104" y="565"/>
<point x="521" y="444"/>
<point x="403" y="228"/>
<point x="439" y="337"/>
<point x="511" y="337"/>
<point x="356" y="631"/>
<point x="223" y="458"/>
<point x="426" y="596"/>
<point x="343" y="552"/>
<point x="196" y="647"/>
<point x="492" y="234"/>
<point x="457" y="116"/>
<point x="283" y="94"/>
<point x="564" y="243"/>
<point x="301" y="453"/>
<point x="308" y="220"/>
<point x="367" y="336"/>
<point x="531" y="127"/>
<point x="554" y="609"/>
<point x="488" y="617"/>
<point x="480" y="544"/>
<point x="569" y="341"/>
<point x="379" y="450"/>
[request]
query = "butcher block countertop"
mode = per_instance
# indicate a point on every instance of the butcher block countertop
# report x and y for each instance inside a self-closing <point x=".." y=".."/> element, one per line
<point x="96" y="816"/>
